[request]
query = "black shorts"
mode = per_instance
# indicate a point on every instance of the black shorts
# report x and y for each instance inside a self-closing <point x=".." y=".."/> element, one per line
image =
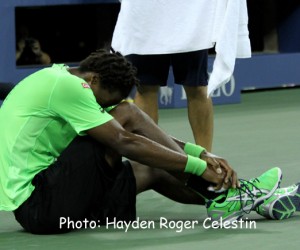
<point x="79" y="186"/>
<point x="189" y="68"/>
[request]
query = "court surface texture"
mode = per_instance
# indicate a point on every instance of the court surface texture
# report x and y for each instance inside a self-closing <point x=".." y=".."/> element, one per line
<point x="261" y="132"/>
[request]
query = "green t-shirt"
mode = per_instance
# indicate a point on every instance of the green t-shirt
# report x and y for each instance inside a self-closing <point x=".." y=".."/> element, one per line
<point x="38" y="120"/>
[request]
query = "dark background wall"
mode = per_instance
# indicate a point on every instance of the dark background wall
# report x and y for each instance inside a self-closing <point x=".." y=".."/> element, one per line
<point x="67" y="29"/>
<point x="70" y="29"/>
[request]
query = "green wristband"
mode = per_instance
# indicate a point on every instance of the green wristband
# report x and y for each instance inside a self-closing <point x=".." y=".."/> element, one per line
<point x="193" y="149"/>
<point x="195" y="165"/>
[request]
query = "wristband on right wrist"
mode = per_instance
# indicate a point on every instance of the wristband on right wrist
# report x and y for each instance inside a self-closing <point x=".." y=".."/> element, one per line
<point x="193" y="149"/>
<point x="195" y="166"/>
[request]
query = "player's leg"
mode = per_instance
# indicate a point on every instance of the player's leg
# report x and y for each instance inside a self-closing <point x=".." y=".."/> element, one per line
<point x="228" y="206"/>
<point x="190" y="70"/>
<point x="68" y="189"/>
<point x="166" y="184"/>
<point x="153" y="72"/>
<point x="171" y="185"/>
<point x="135" y="120"/>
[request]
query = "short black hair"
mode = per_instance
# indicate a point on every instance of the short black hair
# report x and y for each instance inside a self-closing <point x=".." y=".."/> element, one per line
<point x="115" y="72"/>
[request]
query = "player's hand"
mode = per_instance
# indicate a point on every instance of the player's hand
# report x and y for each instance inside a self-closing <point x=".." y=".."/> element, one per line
<point x="221" y="167"/>
<point x="210" y="175"/>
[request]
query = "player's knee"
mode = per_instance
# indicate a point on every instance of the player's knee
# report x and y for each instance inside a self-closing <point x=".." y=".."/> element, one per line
<point x="130" y="116"/>
<point x="125" y="109"/>
<point x="136" y="114"/>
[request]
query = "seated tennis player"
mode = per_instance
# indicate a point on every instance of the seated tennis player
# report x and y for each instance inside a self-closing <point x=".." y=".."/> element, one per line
<point x="63" y="134"/>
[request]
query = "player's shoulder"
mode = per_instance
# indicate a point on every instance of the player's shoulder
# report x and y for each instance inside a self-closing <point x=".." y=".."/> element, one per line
<point x="65" y="77"/>
<point x="70" y="84"/>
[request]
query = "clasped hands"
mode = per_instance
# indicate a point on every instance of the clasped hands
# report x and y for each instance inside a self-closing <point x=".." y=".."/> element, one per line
<point x="219" y="172"/>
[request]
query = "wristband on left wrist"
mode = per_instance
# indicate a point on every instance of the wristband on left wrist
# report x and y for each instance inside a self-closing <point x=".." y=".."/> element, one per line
<point x="193" y="149"/>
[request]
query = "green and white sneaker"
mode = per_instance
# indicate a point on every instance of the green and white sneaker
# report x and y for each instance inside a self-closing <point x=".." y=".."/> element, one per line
<point x="232" y="206"/>
<point x="282" y="204"/>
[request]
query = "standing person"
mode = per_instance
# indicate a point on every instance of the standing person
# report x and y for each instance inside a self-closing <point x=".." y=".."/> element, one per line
<point x="157" y="34"/>
<point x="61" y="153"/>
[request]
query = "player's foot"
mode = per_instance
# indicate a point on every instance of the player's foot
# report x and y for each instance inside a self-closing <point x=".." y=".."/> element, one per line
<point x="237" y="202"/>
<point x="282" y="204"/>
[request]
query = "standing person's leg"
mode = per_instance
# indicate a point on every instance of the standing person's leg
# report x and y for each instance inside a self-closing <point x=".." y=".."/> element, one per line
<point x="146" y="99"/>
<point x="200" y="113"/>
<point x="190" y="70"/>
<point x="152" y="72"/>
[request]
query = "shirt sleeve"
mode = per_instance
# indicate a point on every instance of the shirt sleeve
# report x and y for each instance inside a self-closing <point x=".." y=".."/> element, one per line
<point x="74" y="101"/>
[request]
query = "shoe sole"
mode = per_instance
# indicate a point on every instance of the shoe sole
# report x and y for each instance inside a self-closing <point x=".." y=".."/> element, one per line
<point x="286" y="206"/>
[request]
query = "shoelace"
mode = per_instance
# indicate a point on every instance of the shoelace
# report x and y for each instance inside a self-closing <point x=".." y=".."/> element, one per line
<point x="246" y="189"/>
